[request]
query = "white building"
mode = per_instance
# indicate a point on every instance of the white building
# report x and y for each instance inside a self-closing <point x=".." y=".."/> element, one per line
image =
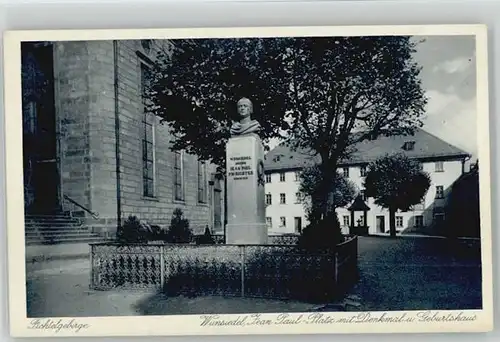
<point x="444" y="163"/>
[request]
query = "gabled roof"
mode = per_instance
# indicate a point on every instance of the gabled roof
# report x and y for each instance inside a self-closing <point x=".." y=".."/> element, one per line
<point x="426" y="146"/>
<point x="358" y="205"/>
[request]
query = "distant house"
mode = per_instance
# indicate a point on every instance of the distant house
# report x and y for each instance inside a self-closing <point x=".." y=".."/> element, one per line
<point x="444" y="162"/>
<point x="92" y="151"/>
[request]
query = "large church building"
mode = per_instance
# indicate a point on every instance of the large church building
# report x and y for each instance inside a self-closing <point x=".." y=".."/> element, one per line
<point x="93" y="155"/>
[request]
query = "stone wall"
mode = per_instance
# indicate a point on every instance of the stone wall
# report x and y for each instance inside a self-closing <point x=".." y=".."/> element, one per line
<point x="157" y="209"/>
<point x="86" y="105"/>
<point x="73" y="95"/>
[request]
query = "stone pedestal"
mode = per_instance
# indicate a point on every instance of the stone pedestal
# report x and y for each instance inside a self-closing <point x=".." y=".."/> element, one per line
<point x="246" y="209"/>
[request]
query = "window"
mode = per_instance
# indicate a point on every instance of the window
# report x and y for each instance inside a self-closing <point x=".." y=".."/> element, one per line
<point x="282" y="177"/>
<point x="439" y="191"/>
<point x="148" y="158"/>
<point x="399" y="221"/>
<point x="409" y="146"/>
<point x="148" y="141"/>
<point x="298" y="224"/>
<point x="438" y="218"/>
<point x="145" y="81"/>
<point x="202" y="182"/>
<point x="297" y="197"/>
<point x="419" y="221"/>
<point x="269" y="199"/>
<point x="269" y="222"/>
<point x="362" y="171"/>
<point x="439" y="166"/>
<point x="297" y="176"/>
<point x="268" y="178"/>
<point x="346" y="220"/>
<point x="283" y="221"/>
<point x="178" y="176"/>
<point x="282" y="199"/>
<point x="345" y="171"/>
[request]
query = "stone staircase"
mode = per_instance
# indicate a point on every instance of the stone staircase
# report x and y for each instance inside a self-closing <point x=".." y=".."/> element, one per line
<point x="56" y="228"/>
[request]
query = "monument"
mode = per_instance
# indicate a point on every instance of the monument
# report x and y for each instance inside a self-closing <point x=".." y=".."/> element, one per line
<point x="246" y="209"/>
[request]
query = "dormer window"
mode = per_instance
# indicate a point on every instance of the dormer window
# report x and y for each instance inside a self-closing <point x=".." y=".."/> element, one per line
<point x="409" y="146"/>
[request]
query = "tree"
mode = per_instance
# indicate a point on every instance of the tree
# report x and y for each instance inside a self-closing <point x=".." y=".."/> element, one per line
<point x="342" y="190"/>
<point x="312" y="92"/>
<point x="195" y="87"/>
<point x="345" y="90"/>
<point x="396" y="183"/>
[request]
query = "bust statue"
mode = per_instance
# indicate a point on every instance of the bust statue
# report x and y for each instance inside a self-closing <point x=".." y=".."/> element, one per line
<point x="245" y="125"/>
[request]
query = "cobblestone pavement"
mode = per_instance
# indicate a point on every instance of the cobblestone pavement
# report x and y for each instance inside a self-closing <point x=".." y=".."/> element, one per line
<point x="417" y="274"/>
<point x="395" y="274"/>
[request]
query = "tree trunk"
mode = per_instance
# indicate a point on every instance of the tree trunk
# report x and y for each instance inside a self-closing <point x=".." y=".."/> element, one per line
<point x="392" y="221"/>
<point x="328" y="172"/>
<point x="225" y="206"/>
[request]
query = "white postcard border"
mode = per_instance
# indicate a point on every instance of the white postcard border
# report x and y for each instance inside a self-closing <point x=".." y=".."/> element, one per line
<point x="21" y="326"/>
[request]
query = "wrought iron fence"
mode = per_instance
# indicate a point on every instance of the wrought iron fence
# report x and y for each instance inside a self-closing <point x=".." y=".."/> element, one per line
<point x="346" y="262"/>
<point x="126" y="266"/>
<point x="285" y="239"/>
<point x="269" y="271"/>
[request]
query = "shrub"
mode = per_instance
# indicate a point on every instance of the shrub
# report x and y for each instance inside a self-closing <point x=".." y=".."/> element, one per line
<point x="157" y="233"/>
<point x="325" y="234"/>
<point x="179" y="231"/>
<point x="206" y="238"/>
<point x="133" y="231"/>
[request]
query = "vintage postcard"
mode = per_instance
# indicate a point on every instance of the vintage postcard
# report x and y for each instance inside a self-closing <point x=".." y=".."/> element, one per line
<point x="248" y="181"/>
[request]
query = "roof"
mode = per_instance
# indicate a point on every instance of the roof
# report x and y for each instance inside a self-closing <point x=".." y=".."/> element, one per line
<point x="426" y="146"/>
<point x="359" y="205"/>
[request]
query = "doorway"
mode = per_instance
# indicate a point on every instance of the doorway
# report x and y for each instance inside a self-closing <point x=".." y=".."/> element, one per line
<point x="380" y="224"/>
<point x="298" y="225"/>
<point x="39" y="129"/>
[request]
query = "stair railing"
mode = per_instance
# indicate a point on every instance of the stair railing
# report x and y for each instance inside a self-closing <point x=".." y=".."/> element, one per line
<point x="94" y="214"/>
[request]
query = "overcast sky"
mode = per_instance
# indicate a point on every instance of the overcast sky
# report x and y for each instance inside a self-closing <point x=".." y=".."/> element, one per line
<point x="449" y="79"/>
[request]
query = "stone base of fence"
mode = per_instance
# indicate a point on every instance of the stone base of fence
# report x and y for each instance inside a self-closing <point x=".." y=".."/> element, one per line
<point x="267" y="271"/>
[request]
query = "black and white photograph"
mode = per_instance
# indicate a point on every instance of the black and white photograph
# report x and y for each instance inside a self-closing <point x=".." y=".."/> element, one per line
<point x="248" y="180"/>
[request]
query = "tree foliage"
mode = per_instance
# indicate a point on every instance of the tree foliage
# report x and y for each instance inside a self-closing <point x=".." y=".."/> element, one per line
<point x="323" y="235"/>
<point x="196" y="86"/>
<point x="314" y="92"/>
<point x="342" y="190"/>
<point x="396" y="183"/>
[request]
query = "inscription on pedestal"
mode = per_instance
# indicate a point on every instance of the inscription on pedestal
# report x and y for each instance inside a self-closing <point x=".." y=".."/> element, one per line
<point x="245" y="182"/>
<point x="240" y="168"/>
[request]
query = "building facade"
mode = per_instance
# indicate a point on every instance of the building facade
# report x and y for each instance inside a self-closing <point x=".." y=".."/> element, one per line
<point x="284" y="212"/>
<point x="443" y="162"/>
<point x="92" y="150"/>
